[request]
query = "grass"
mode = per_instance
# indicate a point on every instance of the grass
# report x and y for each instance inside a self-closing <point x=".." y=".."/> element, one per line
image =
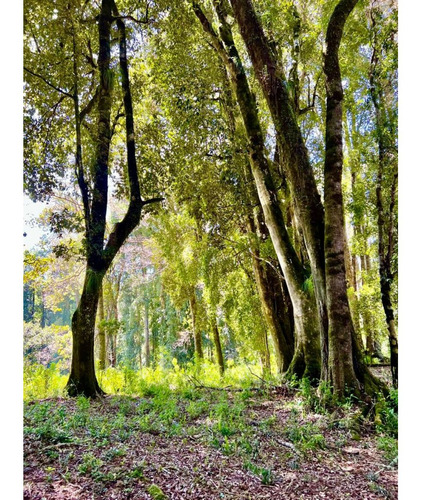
<point x="94" y="440"/>
<point x="41" y="382"/>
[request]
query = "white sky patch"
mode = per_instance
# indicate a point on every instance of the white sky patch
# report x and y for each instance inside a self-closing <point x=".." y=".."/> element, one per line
<point x="33" y="232"/>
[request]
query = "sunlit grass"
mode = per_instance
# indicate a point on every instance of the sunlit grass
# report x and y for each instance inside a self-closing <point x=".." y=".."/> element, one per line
<point x="41" y="382"/>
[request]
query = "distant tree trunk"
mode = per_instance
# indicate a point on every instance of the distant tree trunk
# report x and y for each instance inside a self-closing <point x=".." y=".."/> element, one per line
<point x="198" y="344"/>
<point x="140" y="350"/>
<point x="43" y="312"/>
<point x="307" y="203"/>
<point x="306" y="362"/>
<point x="101" y="333"/>
<point x="351" y="286"/>
<point x="218" y="346"/>
<point x="265" y="356"/>
<point x="146" y="334"/>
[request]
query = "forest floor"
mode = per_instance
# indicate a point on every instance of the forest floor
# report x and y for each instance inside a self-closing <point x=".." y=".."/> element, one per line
<point x="205" y="444"/>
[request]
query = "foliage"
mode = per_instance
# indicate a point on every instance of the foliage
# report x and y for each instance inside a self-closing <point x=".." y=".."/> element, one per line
<point x="48" y="345"/>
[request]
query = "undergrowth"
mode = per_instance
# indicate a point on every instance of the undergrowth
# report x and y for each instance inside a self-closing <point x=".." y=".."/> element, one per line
<point x="41" y="382"/>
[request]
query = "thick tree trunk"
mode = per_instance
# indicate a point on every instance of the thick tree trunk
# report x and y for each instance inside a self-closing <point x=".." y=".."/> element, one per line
<point x="305" y="313"/>
<point x="101" y="333"/>
<point x="218" y="346"/>
<point x="347" y="371"/>
<point x="307" y="203"/>
<point x="341" y="368"/>
<point x="82" y="379"/>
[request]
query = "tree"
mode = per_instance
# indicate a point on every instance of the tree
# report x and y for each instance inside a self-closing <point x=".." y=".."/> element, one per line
<point x="306" y="359"/>
<point x="381" y="91"/>
<point x="99" y="256"/>
<point x="306" y="199"/>
<point x="341" y="329"/>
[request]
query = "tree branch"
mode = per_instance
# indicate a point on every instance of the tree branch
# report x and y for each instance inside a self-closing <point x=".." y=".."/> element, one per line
<point x="152" y="200"/>
<point x="85" y="111"/>
<point x="58" y="89"/>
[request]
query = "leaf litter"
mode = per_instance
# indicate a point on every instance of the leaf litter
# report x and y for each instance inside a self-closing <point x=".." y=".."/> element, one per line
<point x="114" y="449"/>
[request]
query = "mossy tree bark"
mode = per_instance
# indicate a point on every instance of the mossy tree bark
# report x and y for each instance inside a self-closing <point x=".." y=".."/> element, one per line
<point x="218" y="346"/>
<point x="198" y="344"/>
<point x="347" y="370"/>
<point x="307" y="359"/>
<point x="101" y="333"/>
<point x="273" y="307"/>
<point x="341" y="368"/>
<point x="146" y="334"/>
<point x="82" y="378"/>
<point x="307" y="202"/>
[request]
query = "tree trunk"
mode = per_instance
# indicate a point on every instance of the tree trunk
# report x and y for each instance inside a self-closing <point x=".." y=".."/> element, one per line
<point x="265" y="357"/>
<point x="341" y="369"/>
<point x="385" y="216"/>
<point x="82" y="379"/>
<point x="218" y="346"/>
<point x="146" y="334"/>
<point x="347" y="371"/>
<point x="99" y="256"/>
<point x="274" y="312"/>
<point x="140" y="350"/>
<point x="198" y="344"/>
<point x="307" y="203"/>
<point x="305" y="313"/>
<point x="101" y="333"/>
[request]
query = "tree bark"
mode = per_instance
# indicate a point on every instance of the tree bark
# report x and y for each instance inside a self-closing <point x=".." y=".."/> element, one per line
<point x="307" y="361"/>
<point x="307" y="203"/>
<point x="82" y="379"/>
<point x="265" y="356"/>
<point x="385" y="216"/>
<point x="198" y="344"/>
<point x="347" y="371"/>
<point x="146" y="334"/>
<point x="274" y="312"/>
<point x="218" y="346"/>
<point x="101" y="333"/>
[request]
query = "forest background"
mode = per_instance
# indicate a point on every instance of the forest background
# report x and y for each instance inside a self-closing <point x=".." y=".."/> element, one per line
<point x="409" y="253"/>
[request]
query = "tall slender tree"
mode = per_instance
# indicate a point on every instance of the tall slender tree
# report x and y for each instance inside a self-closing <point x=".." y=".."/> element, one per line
<point x="387" y="179"/>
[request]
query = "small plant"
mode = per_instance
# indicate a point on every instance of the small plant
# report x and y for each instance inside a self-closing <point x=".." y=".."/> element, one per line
<point x="138" y="471"/>
<point x="389" y="446"/>
<point x="82" y="403"/>
<point x="90" y="464"/>
<point x="307" y="436"/>
<point x="265" y="474"/>
<point x="113" y="452"/>
<point x="156" y="492"/>
<point x="386" y="414"/>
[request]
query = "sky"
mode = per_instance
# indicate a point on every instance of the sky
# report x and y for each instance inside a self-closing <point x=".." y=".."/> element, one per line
<point x="31" y="231"/>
